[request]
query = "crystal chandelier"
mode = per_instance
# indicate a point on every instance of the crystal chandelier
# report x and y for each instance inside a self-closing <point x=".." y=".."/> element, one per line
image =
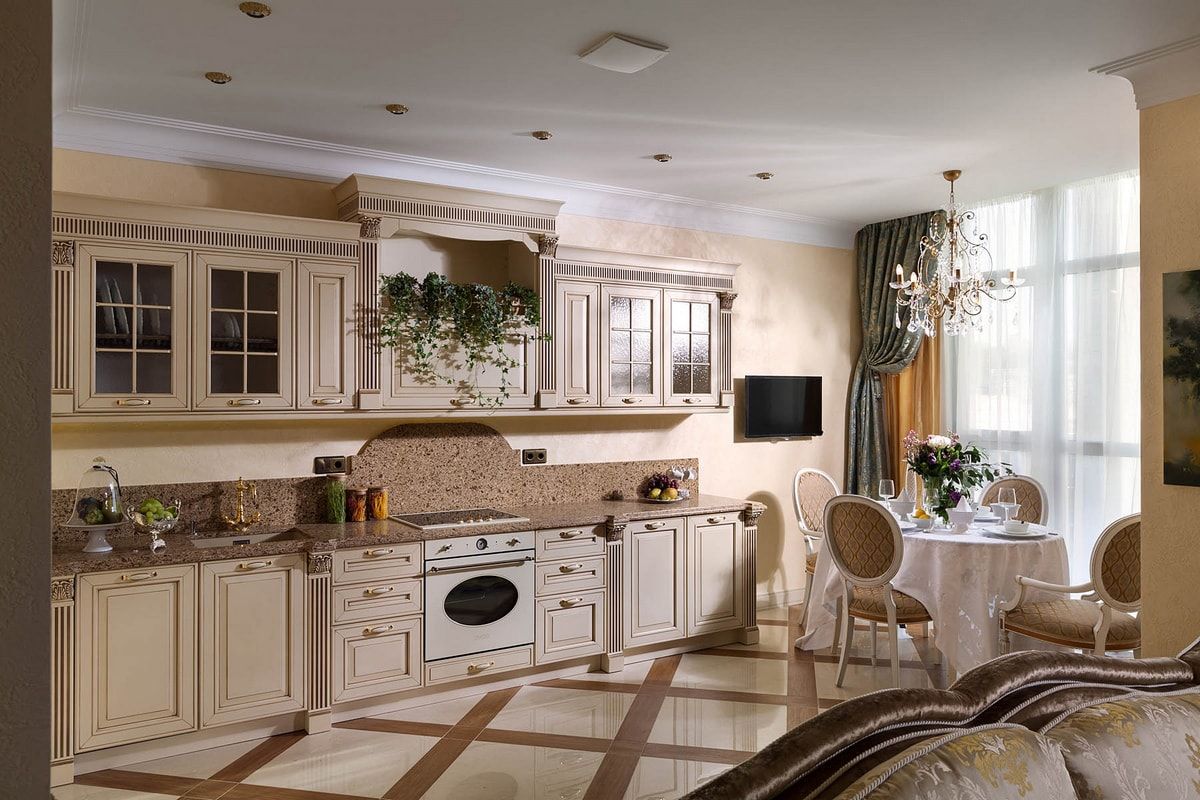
<point x="954" y="275"/>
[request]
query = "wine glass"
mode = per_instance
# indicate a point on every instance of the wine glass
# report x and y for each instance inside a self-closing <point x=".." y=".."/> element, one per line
<point x="1007" y="500"/>
<point x="887" y="489"/>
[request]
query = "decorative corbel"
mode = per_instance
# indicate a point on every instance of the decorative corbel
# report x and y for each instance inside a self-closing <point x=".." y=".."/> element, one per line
<point x="727" y="299"/>
<point x="62" y="589"/>
<point x="62" y="253"/>
<point x="319" y="563"/>
<point x="547" y="244"/>
<point x="368" y="227"/>
<point x="614" y="530"/>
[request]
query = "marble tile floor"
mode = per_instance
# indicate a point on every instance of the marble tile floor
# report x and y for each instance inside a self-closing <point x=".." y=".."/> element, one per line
<point x="654" y="731"/>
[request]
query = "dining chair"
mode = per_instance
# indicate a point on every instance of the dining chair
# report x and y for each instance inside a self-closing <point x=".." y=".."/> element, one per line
<point x="1030" y="494"/>
<point x="1100" y="620"/>
<point x="865" y="542"/>
<point x="811" y="490"/>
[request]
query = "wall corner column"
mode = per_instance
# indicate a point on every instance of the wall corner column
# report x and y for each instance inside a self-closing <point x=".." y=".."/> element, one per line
<point x="318" y="612"/>
<point x="749" y="567"/>
<point x="547" y="366"/>
<point x="62" y="680"/>
<point x="613" y="658"/>
<point x="368" y="356"/>
<point x="725" y="352"/>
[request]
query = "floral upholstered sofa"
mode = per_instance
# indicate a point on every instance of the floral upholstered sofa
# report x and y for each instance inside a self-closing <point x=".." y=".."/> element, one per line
<point x="1026" y="726"/>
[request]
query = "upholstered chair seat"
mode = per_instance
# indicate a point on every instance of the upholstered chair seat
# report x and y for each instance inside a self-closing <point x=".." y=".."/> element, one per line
<point x="867" y="602"/>
<point x="810" y="563"/>
<point x="1072" y="623"/>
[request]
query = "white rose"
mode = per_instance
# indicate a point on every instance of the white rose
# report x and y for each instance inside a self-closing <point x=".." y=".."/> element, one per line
<point x="937" y="441"/>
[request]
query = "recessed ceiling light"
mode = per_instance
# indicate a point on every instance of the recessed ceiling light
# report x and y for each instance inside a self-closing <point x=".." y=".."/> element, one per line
<point x="541" y="136"/>
<point x="620" y="53"/>
<point x="764" y="176"/>
<point x="662" y="158"/>
<point x="218" y="77"/>
<point x="255" y="10"/>
<point x="396" y="108"/>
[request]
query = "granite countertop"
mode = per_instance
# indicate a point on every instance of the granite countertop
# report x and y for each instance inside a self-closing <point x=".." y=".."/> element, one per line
<point x="132" y="551"/>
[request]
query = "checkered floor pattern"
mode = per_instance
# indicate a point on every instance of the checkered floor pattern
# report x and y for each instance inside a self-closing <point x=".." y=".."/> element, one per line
<point x="656" y="730"/>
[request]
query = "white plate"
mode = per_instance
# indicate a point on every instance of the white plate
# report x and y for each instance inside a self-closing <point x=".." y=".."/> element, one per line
<point x="986" y="518"/>
<point x="1028" y="534"/>
<point x="905" y="525"/>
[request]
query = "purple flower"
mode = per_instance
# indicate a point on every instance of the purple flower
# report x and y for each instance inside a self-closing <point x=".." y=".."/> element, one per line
<point x="955" y="496"/>
<point x="955" y="465"/>
<point x="932" y="458"/>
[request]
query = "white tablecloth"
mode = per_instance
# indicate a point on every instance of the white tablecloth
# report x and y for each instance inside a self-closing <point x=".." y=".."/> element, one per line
<point x="960" y="578"/>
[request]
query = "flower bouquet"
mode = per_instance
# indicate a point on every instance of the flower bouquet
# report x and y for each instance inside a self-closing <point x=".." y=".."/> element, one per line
<point x="948" y="469"/>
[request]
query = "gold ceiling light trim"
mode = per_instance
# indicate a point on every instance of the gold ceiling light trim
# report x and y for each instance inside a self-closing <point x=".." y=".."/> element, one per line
<point x="764" y="176"/>
<point x="662" y="158"/>
<point x="541" y="136"/>
<point x="396" y="108"/>
<point x="255" y="10"/>
<point x="219" y="78"/>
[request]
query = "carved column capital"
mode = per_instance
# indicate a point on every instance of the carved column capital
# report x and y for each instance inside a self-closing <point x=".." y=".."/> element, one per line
<point x="368" y="227"/>
<point x="751" y="514"/>
<point x="62" y="589"/>
<point x="547" y="244"/>
<point x="319" y="563"/>
<point x="615" y="531"/>
<point x="62" y="253"/>
<point x="727" y="299"/>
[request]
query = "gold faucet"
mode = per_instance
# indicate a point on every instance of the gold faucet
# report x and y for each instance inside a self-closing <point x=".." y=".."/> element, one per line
<point x="241" y="522"/>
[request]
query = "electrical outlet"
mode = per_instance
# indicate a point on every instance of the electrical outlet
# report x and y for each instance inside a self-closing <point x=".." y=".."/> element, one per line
<point x="331" y="465"/>
<point x="533" y="455"/>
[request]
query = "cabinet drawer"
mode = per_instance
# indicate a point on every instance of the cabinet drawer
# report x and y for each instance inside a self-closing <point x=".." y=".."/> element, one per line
<point x="586" y="540"/>
<point x="375" y="600"/>
<point x="640" y="526"/>
<point x="456" y="669"/>
<point x="555" y="577"/>
<point x="569" y="626"/>
<point x="376" y="659"/>
<point x="385" y="562"/>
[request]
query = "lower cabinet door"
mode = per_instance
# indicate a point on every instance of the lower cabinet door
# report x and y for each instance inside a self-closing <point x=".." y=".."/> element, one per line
<point x="251" y="638"/>
<point x="374" y="659"/>
<point x="569" y="626"/>
<point x="714" y="556"/>
<point x="655" y="581"/>
<point x="136" y="655"/>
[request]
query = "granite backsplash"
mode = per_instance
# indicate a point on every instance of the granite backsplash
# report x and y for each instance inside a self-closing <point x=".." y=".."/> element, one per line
<point x="423" y="465"/>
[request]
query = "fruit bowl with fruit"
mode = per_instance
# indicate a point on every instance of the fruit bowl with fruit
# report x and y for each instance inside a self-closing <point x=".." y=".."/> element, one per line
<point x="661" y="488"/>
<point x="151" y="516"/>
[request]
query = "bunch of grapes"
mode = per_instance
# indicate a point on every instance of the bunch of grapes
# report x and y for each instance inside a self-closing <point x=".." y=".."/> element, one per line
<point x="661" y="485"/>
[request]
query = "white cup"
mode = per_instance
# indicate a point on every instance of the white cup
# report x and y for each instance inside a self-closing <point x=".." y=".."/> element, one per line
<point x="1015" y="526"/>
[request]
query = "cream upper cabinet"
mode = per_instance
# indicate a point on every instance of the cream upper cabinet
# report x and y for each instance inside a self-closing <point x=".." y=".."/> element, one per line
<point x="132" y="322"/>
<point x="692" y="319"/>
<point x="244" y="356"/>
<point x="406" y="387"/>
<point x="655" y="581"/>
<point x="576" y="342"/>
<point x="325" y="335"/>
<point x="714" y="573"/>
<point x="630" y="346"/>
<point x="251" y="638"/>
<point x="136" y="655"/>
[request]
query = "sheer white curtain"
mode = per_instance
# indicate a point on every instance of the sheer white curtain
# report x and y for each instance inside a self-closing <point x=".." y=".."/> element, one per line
<point x="1051" y="385"/>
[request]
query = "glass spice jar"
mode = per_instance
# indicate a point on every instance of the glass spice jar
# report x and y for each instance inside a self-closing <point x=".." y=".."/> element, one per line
<point x="377" y="502"/>
<point x="356" y="505"/>
<point x="335" y="499"/>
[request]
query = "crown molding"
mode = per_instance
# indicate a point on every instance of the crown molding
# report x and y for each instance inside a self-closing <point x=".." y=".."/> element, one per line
<point x="176" y="141"/>
<point x="1158" y="76"/>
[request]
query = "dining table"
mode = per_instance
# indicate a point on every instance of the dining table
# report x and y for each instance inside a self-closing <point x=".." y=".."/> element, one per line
<point x="961" y="578"/>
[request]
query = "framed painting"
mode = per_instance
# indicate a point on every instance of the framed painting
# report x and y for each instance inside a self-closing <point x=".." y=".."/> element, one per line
<point x="1181" y="378"/>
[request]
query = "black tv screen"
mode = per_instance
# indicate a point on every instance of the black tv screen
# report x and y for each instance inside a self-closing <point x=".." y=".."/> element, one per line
<point x="781" y="406"/>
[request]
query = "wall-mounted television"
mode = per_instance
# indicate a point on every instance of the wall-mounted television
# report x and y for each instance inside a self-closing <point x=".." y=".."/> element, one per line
<point x="783" y="406"/>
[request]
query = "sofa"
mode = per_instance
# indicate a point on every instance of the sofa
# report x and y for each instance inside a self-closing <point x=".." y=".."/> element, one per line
<point x="1026" y="726"/>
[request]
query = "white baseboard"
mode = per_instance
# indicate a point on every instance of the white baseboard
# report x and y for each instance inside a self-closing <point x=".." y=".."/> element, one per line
<point x="785" y="597"/>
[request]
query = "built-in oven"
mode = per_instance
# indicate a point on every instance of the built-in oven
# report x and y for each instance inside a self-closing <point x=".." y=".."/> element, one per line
<point x="478" y="594"/>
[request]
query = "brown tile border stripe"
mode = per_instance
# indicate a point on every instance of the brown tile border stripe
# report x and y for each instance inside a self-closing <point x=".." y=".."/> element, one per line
<point x="612" y="777"/>
<point x="137" y="781"/>
<point x="594" y="686"/>
<point x="427" y="770"/>
<point x="482" y="713"/>
<point x="396" y="726"/>
<point x="535" y="739"/>
<point x="258" y="757"/>
<point x="729" y="652"/>
<point x="250" y="791"/>
<point x="782" y="623"/>
<point x="684" y="752"/>
<point x="864" y="661"/>
<point x="209" y="790"/>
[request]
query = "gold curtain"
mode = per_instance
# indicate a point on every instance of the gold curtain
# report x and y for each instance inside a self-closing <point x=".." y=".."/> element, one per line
<point x="912" y="400"/>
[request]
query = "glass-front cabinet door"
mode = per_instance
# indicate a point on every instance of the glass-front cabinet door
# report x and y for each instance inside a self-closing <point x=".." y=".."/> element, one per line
<point x="630" y="346"/>
<point x="131" y="324"/>
<point x="244" y="355"/>
<point x="692" y="321"/>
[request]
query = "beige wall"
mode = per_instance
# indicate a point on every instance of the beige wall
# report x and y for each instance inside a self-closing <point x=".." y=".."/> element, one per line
<point x="796" y="313"/>
<point x="1170" y="167"/>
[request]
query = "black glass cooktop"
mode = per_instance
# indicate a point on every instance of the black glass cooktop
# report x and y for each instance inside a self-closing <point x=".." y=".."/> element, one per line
<point x="428" y="520"/>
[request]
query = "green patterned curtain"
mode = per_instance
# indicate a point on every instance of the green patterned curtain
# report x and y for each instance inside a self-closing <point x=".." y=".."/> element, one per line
<point x="886" y="348"/>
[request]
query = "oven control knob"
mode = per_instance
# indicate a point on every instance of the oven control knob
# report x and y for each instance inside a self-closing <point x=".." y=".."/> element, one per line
<point x="481" y="544"/>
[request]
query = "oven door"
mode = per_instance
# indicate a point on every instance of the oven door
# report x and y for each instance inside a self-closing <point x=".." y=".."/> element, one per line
<point x="478" y="603"/>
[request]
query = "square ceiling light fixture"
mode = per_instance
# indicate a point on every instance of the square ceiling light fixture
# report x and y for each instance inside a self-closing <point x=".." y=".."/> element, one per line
<point x="620" y="53"/>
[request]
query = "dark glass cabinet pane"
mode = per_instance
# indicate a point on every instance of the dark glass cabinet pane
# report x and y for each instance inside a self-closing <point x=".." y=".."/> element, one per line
<point x="114" y="282"/>
<point x="112" y="328"/>
<point x="154" y="373"/>
<point x="481" y="600"/>
<point x="227" y="285"/>
<point x="227" y="331"/>
<point x="262" y="374"/>
<point x="114" y="373"/>
<point x="681" y="379"/>
<point x="153" y="329"/>
<point x="701" y="379"/>
<point x="262" y="333"/>
<point x="153" y="285"/>
<point x="262" y="291"/>
<point x="226" y="374"/>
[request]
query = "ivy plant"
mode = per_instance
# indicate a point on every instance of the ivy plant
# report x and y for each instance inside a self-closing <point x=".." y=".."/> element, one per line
<point x="439" y="324"/>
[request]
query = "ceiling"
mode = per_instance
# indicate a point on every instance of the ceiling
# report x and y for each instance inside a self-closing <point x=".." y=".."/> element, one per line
<point x="855" y="105"/>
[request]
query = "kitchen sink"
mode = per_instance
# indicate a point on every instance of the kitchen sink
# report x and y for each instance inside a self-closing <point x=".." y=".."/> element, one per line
<point x="236" y="539"/>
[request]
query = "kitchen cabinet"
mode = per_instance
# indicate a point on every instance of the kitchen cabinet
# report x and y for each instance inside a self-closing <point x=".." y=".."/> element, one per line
<point x="630" y="346"/>
<point x="243" y="340"/>
<point x="714" y="573"/>
<point x="568" y="626"/>
<point x="325" y="335"/>
<point x="576" y="341"/>
<point x="136" y="655"/>
<point x="655" y="596"/>
<point x="692" y="318"/>
<point x="406" y="387"/>
<point x="251" y="638"/>
<point x="376" y="658"/>
<point x="131" y="324"/>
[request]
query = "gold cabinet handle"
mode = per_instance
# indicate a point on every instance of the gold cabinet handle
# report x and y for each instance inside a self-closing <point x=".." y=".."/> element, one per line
<point x="383" y="551"/>
<point x="139" y="576"/>
<point x="328" y="401"/>
<point x="378" y="590"/>
<point x="629" y="400"/>
<point x="133" y="401"/>
<point x="378" y="629"/>
<point x="570" y="567"/>
<point x="569" y="534"/>
<point x="254" y="565"/>
<point x="691" y="400"/>
<point x="567" y="602"/>
<point x="653" y="526"/>
<point x="715" y="520"/>
<point x="245" y="401"/>
<point x="463" y="401"/>
<point x="575" y="401"/>
<point x="480" y="667"/>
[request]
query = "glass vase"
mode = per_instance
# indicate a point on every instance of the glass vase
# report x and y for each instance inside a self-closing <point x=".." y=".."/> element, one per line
<point x="931" y="495"/>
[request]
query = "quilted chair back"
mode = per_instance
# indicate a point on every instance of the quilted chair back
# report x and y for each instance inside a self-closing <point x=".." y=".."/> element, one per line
<point x="811" y="490"/>
<point x="863" y="539"/>
<point x="1030" y="495"/>
<point x="1117" y="564"/>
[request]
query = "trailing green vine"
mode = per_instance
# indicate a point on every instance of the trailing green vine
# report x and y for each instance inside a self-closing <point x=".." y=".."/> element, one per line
<point x="440" y="323"/>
